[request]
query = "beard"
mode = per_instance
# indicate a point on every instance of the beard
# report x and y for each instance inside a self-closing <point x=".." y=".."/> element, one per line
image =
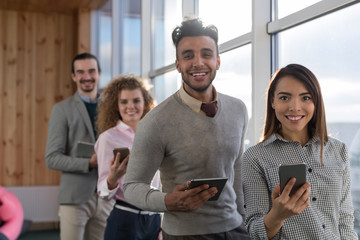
<point x="82" y="81"/>
<point x="198" y="89"/>
<point x="88" y="89"/>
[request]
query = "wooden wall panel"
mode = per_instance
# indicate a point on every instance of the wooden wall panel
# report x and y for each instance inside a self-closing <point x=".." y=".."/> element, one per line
<point x="51" y="6"/>
<point x="84" y="30"/>
<point x="36" y="50"/>
<point x="2" y="69"/>
<point x="9" y="97"/>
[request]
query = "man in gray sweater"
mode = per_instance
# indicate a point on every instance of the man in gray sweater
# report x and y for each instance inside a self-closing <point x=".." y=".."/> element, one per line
<point x="185" y="142"/>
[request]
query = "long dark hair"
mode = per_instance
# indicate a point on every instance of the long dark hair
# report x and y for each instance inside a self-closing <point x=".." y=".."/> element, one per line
<point x="317" y="125"/>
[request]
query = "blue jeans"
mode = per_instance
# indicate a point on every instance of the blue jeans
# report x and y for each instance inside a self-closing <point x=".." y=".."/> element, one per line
<point x="127" y="225"/>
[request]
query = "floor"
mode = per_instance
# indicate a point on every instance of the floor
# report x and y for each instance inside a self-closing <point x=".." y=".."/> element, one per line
<point x="41" y="235"/>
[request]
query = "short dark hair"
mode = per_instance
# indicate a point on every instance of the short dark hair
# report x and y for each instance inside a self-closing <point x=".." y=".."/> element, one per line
<point x="83" y="56"/>
<point x="192" y="28"/>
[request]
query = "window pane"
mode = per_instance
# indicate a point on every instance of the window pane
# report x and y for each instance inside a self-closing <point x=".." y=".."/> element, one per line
<point x="286" y="7"/>
<point x="333" y="56"/>
<point x="234" y="76"/>
<point x="167" y="15"/>
<point x="165" y="85"/>
<point x="105" y="47"/>
<point x="131" y="37"/>
<point x="231" y="17"/>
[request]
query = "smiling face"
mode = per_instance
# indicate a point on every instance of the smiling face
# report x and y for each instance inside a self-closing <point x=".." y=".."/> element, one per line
<point x="197" y="61"/>
<point x="131" y="106"/>
<point x="294" y="108"/>
<point x="86" y="75"/>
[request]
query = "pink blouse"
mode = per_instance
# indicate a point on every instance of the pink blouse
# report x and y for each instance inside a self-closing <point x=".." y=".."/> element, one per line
<point x="119" y="136"/>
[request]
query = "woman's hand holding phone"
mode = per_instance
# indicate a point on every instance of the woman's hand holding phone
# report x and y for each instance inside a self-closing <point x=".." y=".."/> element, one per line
<point x="117" y="169"/>
<point x="285" y="205"/>
<point x="291" y="196"/>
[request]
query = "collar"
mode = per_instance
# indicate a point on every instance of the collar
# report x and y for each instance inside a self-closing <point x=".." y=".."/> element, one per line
<point x="121" y="126"/>
<point x="88" y="100"/>
<point x="192" y="102"/>
<point x="274" y="137"/>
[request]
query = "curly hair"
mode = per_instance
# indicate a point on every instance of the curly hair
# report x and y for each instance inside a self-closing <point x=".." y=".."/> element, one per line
<point x="108" y="111"/>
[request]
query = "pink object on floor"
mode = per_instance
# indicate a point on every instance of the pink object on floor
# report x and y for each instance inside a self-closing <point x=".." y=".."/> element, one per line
<point x="11" y="214"/>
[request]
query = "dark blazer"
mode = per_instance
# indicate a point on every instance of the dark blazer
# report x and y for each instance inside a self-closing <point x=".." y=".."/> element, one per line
<point x="70" y="123"/>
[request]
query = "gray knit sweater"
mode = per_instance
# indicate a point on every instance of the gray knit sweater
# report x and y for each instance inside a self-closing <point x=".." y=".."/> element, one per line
<point x="184" y="145"/>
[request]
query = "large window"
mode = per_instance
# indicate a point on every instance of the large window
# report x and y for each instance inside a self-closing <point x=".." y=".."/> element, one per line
<point x="286" y="7"/>
<point x="130" y="36"/>
<point x="231" y="17"/>
<point x="166" y="16"/>
<point x="105" y="44"/>
<point x="234" y="75"/>
<point x="119" y="51"/>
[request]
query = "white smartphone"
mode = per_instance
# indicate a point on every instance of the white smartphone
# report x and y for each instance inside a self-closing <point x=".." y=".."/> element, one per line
<point x="288" y="171"/>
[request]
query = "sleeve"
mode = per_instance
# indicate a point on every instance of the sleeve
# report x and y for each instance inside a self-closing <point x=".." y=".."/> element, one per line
<point x="346" y="221"/>
<point x="103" y="149"/>
<point x="257" y="198"/>
<point x="57" y="156"/>
<point x="146" y="156"/>
<point x="104" y="192"/>
<point x="238" y="187"/>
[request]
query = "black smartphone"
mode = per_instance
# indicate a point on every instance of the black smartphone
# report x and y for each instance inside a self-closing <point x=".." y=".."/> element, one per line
<point x="288" y="171"/>
<point x="219" y="183"/>
<point x="124" y="151"/>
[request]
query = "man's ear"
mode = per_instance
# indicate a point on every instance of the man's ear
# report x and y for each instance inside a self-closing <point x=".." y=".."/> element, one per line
<point x="73" y="77"/>
<point x="218" y="63"/>
<point x="177" y="66"/>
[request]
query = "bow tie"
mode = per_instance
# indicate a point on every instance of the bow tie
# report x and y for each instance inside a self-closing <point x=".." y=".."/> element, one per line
<point x="209" y="108"/>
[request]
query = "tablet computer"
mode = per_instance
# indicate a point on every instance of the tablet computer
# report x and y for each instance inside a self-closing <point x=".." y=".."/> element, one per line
<point x="84" y="149"/>
<point x="219" y="183"/>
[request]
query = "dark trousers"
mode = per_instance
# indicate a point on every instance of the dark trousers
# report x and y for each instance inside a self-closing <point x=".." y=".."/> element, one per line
<point x="127" y="225"/>
<point x="235" y="234"/>
<point x="3" y="237"/>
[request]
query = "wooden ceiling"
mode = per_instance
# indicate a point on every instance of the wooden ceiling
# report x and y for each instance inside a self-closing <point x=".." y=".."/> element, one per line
<point x="51" y="6"/>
